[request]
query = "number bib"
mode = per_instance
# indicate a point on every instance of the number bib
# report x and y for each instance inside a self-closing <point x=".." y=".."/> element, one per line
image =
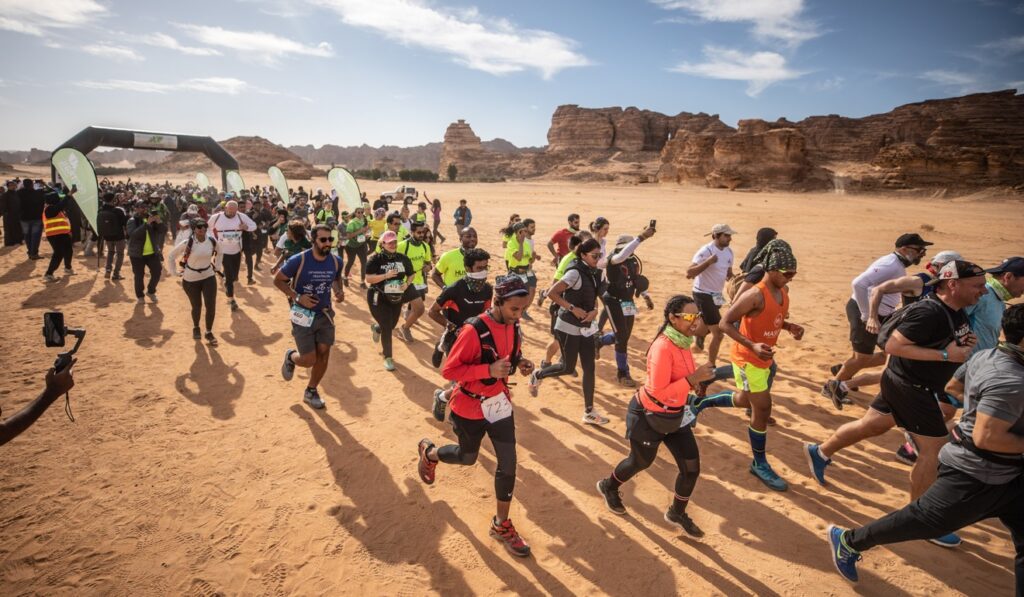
<point x="589" y="330"/>
<point x="302" y="316"/>
<point x="718" y="298"/>
<point x="496" y="408"/>
<point x="628" y="308"/>
<point x="393" y="286"/>
<point x="361" y="238"/>
<point x="420" y="287"/>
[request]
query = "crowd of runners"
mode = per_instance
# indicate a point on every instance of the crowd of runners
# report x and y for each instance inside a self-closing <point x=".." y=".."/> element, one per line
<point x="943" y="347"/>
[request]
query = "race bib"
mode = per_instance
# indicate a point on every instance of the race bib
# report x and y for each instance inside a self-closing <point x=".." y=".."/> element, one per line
<point x="302" y="316"/>
<point x="589" y="330"/>
<point x="231" y="236"/>
<point x="496" y="408"/>
<point x="688" y="417"/>
<point x="361" y="238"/>
<point x="420" y="287"/>
<point x="718" y="299"/>
<point x="628" y="308"/>
<point x="393" y="286"/>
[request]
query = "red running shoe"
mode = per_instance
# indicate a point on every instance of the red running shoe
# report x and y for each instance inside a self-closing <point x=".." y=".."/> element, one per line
<point x="506" y="533"/>
<point x="426" y="466"/>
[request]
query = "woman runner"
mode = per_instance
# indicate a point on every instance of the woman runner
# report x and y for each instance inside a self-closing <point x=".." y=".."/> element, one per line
<point x="196" y="255"/>
<point x="389" y="275"/>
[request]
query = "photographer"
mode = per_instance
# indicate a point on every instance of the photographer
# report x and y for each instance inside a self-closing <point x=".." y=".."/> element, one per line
<point x="144" y="249"/>
<point x="57" y="384"/>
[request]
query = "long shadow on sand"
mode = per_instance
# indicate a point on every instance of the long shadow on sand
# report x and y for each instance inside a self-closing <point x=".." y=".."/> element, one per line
<point x="61" y="292"/>
<point x="146" y="329"/>
<point x="211" y="382"/>
<point x="112" y="292"/>
<point x="245" y="332"/>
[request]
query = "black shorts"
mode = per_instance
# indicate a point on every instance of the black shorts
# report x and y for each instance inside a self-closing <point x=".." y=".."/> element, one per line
<point x="914" y="408"/>
<point x="320" y="332"/>
<point x="861" y="339"/>
<point x="710" y="312"/>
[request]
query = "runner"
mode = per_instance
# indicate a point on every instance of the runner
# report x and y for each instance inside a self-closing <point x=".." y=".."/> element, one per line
<point x="227" y="228"/>
<point x="435" y="212"/>
<point x="910" y="249"/>
<point x="389" y="275"/>
<point x="762" y="312"/>
<point x="451" y="266"/>
<point x="710" y="268"/>
<point x="553" y="346"/>
<point x="926" y="343"/>
<point x="394" y="224"/>
<point x="306" y="279"/>
<point x="980" y="475"/>
<point x="378" y="224"/>
<point x="558" y="246"/>
<point x="57" y="230"/>
<point x="626" y="283"/>
<point x="655" y="414"/>
<point x="467" y="297"/>
<point x="144" y="250"/>
<point x="577" y="293"/>
<point x="481" y="404"/>
<point x="418" y="252"/>
<point x="508" y="231"/>
<point x="355" y="245"/>
<point x="519" y="257"/>
<point x="292" y="242"/>
<point x="196" y="255"/>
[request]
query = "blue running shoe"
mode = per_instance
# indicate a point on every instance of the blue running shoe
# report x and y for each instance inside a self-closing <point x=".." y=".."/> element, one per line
<point x="844" y="557"/>
<point x="816" y="462"/>
<point x="767" y="476"/>
<point x="950" y="540"/>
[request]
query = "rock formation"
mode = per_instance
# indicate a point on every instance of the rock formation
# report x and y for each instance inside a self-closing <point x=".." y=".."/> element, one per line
<point x="574" y="128"/>
<point x="252" y="153"/>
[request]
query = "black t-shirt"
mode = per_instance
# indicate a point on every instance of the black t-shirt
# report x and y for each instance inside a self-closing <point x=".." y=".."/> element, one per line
<point x="382" y="262"/>
<point x="459" y="303"/>
<point x="927" y="326"/>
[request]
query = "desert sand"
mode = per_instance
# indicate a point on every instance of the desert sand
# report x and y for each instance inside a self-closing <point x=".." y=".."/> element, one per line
<point x="193" y="470"/>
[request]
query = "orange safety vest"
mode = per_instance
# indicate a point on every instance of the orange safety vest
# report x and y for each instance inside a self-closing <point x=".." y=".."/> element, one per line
<point x="58" y="224"/>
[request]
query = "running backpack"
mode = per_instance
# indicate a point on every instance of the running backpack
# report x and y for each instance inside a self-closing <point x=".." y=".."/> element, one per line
<point x="107" y="223"/>
<point x="188" y="252"/>
<point x="489" y="348"/>
<point x="897" y="317"/>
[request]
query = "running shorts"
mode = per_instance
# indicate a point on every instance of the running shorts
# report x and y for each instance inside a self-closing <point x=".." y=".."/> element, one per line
<point x="861" y="339"/>
<point x="321" y="332"/>
<point x="914" y="408"/>
<point x="751" y="378"/>
<point x="709" y="311"/>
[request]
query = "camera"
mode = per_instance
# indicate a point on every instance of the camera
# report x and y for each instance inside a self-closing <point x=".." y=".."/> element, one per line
<point x="55" y="334"/>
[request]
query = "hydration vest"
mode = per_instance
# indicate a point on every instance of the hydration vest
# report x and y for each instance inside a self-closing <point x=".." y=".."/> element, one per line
<point x="585" y="297"/>
<point x="489" y="348"/>
<point x="622" y="278"/>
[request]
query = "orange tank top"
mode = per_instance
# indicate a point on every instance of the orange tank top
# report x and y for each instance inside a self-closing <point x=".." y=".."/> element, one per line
<point x="764" y="327"/>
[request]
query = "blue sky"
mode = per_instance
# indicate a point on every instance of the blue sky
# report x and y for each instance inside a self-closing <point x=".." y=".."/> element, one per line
<point x="399" y="71"/>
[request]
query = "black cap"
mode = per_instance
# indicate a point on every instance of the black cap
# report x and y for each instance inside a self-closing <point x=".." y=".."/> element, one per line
<point x="957" y="270"/>
<point x="1013" y="265"/>
<point x="911" y="239"/>
<point x="509" y="286"/>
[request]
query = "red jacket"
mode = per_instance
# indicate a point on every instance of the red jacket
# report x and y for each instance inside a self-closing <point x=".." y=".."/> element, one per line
<point x="463" y="366"/>
<point x="667" y="368"/>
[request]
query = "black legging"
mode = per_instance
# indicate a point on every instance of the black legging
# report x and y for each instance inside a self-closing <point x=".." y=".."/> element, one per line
<point x="359" y="253"/>
<point x="683" y="447"/>
<point x="231" y="264"/>
<point x="248" y="261"/>
<point x="573" y="348"/>
<point x="62" y="251"/>
<point x="139" y="265"/>
<point x="622" y="325"/>
<point x="200" y="292"/>
<point x="503" y="438"/>
<point x="261" y="245"/>
<point x="386" y="314"/>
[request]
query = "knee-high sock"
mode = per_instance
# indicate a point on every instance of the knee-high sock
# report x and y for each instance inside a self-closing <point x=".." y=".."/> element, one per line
<point x="758" y="441"/>
<point x="722" y="399"/>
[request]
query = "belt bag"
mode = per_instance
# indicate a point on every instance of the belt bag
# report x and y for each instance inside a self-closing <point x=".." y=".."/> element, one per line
<point x="663" y="423"/>
<point x="967" y="443"/>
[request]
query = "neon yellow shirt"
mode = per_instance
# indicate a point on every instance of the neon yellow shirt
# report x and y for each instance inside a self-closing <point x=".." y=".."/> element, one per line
<point x="510" y="251"/>
<point x="452" y="266"/>
<point x="377" y="228"/>
<point x="564" y="265"/>
<point x="418" y="256"/>
<point x="147" y="249"/>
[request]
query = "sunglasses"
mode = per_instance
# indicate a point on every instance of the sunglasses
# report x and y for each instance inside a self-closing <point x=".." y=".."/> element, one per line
<point x="689" y="317"/>
<point x="203" y="227"/>
<point x="324" y="239"/>
<point x="789" y="275"/>
<point x="919" y="249"/>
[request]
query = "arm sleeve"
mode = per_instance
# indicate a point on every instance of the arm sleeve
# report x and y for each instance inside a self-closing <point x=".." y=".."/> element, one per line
<point x="626" y="252"/>
<point x="461" y="364"/>
<point x="862" y="292"/>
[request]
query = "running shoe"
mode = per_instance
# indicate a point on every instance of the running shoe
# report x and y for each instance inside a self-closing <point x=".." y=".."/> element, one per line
<point x="404" y="333"/>
<point x="683" y="521"/>
<point x="950" y="540"/>
<point x="439" y="404"/>
<point x="196" y="334"/>
<point x="152" y="297"/>
<point x="376" y="332"/>
<point x="117" y="277"/>
<point x="288" y="366"/>
<point x="506" y="533"/>
<point x="211" y="339"/>
<point x="767" y="476"/>
<point x="250" y="281"/>
<point x="626" y="381"/>
<point x="140" y="300"/>
<point x="233" y="304"/>
<point x="844" y="557"/>
<point x="533" y="384"/>
<point x="312" y="398"/>
<point x="425" y="465"/>
<point x="389" y="364"/>
<point x="834" y="392"/>
<point x="816" y="463"/>
<point x="906" y="454"/>
<point x="594" y="418"/>
<point x="612" y="499"/>
<point x="68" y="271"/>
<point x="437" y="357"/>
<point x="49" y="278"/>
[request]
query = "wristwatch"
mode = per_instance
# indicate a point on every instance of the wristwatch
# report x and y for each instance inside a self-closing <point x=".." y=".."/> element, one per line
<point x="945" y="355"/>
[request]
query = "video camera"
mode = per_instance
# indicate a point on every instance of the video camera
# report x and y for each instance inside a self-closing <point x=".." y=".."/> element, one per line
<point x="55" y="334"/>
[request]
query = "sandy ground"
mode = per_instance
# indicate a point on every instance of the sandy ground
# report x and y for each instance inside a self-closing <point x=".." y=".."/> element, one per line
<point x="198" y="471"/>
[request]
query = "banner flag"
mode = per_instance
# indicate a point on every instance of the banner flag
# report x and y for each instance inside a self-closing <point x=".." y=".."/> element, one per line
<point x="346" y="185"/>
<point x="203" y="181"/>
<point x="280" y="182"/>
<point x="76" y="170"/>
<point x="235" y="184"/>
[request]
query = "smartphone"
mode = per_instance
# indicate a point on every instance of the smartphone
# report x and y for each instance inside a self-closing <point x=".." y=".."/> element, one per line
<point x="654" y="224"/>
<point x="54" y="330"/>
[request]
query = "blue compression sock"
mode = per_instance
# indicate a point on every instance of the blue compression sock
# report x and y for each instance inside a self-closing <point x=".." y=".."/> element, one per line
<point x="758" y="441"/>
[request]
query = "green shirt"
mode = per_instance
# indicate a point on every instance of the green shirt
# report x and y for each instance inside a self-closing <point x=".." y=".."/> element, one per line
<point x="452" y="266"/>
<point x="147" y="249"/>
<point x="564" y="265"/>
<point x="354" y="240"/>
<point x="510" y="251"/>
<point x="419" y="256"/>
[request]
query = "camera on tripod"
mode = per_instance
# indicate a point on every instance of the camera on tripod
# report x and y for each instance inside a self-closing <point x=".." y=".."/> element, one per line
<point x="55" y="333"/>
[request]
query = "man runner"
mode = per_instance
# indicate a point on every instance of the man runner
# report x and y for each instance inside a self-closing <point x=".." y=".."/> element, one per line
<point x="418" y="252"/>
<point x="306" y="279"/>
<point x="450" y="266"/>
<point x="711" y="267"/>
<point x="227" y="228"/>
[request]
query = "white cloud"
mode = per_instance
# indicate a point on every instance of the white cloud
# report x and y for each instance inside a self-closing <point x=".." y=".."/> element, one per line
<point x="162" y="40"/>
<point x="35" y="17"/>
<point x="266" y="48"/>
<point x="780" y="20"/>
<point x="107" y="50"/>
<point x="956" y="81"/>
<point x="1006" y="46"/>
<point x="488" y="44"/>
<point x="217" y="85"/>
<point x="1018" y="85"/>
<point x="759" y="69"/>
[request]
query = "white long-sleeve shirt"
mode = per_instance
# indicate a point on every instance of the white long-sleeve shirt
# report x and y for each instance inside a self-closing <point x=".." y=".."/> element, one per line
<point x="884" y="268"/>
<point x="228" y="231"/>
<point x="200" y="260"/>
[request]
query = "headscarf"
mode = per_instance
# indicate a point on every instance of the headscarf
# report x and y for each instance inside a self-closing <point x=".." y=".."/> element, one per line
<point x="776" y="255"/>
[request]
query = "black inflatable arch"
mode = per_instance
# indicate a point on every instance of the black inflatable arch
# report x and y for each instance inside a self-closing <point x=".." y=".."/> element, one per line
<point x="92" y="137"/>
